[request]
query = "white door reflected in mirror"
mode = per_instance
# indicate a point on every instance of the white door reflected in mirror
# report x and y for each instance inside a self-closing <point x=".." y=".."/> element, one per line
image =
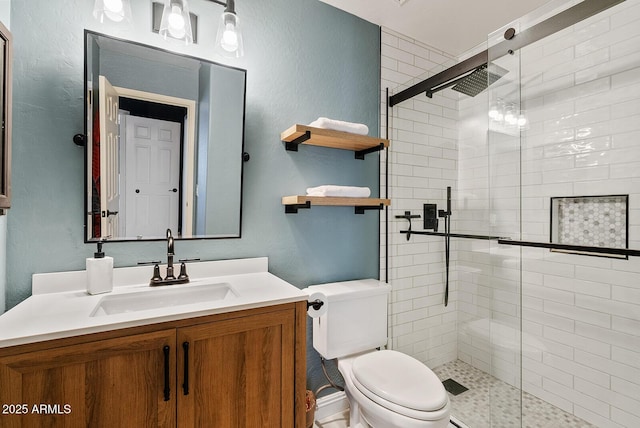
<point x="152" y="179"/>
<point x="109" y="165"/>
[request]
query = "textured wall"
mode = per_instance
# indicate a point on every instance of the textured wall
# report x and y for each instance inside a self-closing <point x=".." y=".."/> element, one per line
<point x="304" y="59"/>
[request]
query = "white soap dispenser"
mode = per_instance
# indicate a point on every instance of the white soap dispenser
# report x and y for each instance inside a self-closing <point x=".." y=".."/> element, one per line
<point x="99" y="272"/>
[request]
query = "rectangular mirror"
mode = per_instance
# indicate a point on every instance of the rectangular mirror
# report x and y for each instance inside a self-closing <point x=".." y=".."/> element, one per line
<point x="164" y="143"/>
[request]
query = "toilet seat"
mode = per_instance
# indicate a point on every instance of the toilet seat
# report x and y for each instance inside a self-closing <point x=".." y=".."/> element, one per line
<point x="399" y="383"/>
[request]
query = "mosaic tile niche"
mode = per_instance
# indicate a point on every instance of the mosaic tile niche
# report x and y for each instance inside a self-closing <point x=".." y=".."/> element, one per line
<point x="592" y="221"/>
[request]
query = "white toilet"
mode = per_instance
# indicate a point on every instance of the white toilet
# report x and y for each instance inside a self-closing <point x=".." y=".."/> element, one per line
<point x="386" y="389"/>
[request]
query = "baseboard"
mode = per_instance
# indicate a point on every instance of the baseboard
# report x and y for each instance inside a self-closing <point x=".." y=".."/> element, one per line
<point x="331" y="404"/>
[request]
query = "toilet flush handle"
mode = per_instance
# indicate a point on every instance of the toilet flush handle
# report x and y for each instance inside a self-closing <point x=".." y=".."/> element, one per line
<point x="316" y="304"/>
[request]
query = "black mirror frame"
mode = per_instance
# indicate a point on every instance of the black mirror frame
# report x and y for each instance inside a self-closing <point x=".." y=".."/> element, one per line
<point x="85" y="143"/>
<point x="6" y="41"/>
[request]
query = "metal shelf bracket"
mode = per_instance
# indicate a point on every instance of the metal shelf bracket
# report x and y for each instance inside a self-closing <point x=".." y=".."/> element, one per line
<point x="361" y="153"/>
<point x="362" y="209"/>
<point x="293" y="209"/>
<point x="293" y="145"/>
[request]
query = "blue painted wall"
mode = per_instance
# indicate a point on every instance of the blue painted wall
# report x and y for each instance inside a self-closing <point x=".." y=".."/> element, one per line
<point x="304" y="59"/>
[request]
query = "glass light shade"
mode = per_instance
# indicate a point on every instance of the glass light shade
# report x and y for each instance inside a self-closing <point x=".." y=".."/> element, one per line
<point x="494" y="112"/>
<point x="113" y="10"/>
<point x="176" y="23"/>
<point x="510" y="116"/>
<point x="229" y="37"/>
<point x="523" y="122"/>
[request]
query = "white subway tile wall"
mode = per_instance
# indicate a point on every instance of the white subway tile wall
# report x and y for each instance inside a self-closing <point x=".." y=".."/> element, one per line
<point x="577" y="317"/>
<point x="423" y="162"/>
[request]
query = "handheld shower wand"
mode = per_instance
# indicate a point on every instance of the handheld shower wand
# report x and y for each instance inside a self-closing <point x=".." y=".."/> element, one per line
<point x="431" y="215"/>
<point x="446" y="215"/>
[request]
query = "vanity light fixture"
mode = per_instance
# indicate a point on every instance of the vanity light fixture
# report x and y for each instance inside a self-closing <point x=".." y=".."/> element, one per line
<point x="229" y="38"/>
<point x="176" y="21"/>
<point x="170" y="20"/>
<point x="114" y="10"/>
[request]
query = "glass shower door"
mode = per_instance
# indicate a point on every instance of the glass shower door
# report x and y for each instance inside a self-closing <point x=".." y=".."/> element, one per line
<point x="564" y="156"/>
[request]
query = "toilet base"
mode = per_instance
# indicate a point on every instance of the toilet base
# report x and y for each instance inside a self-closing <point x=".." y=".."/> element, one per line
<point x="364" y="413"/>
<point x="364" y="419"/>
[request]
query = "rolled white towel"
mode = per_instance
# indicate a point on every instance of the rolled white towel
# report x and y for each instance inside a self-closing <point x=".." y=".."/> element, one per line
<point x="339" y="125"/>
<point x="341" y="191"/>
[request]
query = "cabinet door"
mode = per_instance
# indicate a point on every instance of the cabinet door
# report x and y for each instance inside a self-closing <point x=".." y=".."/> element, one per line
<point x="111" y="383"/>
<point x="240" y="372"/>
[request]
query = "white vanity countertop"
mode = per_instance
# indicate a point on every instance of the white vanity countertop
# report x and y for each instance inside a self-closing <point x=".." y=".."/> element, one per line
<point x="60" y="306"/>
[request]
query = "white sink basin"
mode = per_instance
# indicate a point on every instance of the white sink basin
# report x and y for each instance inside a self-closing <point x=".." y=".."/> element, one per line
<point x="162" y="298"/>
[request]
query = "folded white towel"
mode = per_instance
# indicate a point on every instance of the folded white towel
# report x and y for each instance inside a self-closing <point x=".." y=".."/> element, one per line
<point x="341" y="191"/>
<point x="339" y="125"/>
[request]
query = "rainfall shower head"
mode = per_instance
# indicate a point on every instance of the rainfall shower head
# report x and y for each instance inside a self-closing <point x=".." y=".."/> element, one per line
<point x="479" y="80"/>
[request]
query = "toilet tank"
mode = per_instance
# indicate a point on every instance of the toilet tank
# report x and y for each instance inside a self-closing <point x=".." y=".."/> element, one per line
<point x="355" y="319"/>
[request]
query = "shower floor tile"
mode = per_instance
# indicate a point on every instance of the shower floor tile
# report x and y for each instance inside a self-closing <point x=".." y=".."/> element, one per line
<point x="473" y="407"/>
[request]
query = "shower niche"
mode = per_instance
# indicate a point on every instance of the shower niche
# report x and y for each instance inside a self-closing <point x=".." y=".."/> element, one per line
<point x="590" y="221"/>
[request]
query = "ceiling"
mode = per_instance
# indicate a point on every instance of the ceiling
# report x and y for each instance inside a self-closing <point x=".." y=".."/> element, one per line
<point x="452" y="26"/>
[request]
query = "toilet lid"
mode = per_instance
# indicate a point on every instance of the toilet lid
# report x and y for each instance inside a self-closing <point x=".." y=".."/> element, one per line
<point x="401" y="380"/>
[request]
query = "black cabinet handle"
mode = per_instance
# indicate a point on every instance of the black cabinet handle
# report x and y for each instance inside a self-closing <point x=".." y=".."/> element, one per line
<point x="185" y="385"/>
<point x="167" y="389"/>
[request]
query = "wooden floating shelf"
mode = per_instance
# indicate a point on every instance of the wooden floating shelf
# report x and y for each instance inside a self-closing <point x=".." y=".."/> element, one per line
<point x="295" y="202"/>
<point x="302" y="134"/>
<point x="333" y="201"/>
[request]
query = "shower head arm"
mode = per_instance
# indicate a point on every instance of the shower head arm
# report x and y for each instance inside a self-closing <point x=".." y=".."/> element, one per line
<point x="426" y="85"/>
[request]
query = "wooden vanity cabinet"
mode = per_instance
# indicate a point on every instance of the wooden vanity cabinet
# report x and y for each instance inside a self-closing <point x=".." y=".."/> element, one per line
<point x="242" y="369"/>
<point x="110" y="383"/>
<point x="241" y="372"/>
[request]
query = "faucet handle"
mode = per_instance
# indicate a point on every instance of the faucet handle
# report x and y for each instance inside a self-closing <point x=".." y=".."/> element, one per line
<point x="183" y="267"/>
<point x="156" y="274"/>
<point x="156" y="278"/>
<point x="183" y="271"/>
